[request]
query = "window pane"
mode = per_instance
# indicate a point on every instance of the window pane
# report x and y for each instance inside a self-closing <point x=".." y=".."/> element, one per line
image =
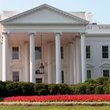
<point x="106" y="73"/>
<point x="88" y="52"/>
<point x="37" y="72"/>
<point x="15" y="76"/>
<point x="104" y="51"/>
<point x="15" y="52"/>
<point x="38" y="52"/>
<point x="38" y="80"/>
<point x="62" y="76"/>
<point x="61" y="52"/>
<point x="88" y="74"/>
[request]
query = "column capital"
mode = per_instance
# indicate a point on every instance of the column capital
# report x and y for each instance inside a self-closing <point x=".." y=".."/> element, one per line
<point x="5" y="33"/>
<point x="58" y="33"/>
<point x="83" y="33"/>
<point x="31" y="33"/>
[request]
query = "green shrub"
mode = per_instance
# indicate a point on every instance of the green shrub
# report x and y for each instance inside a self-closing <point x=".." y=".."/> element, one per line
<point x="72" y="89"/>
<point x="90" y="81"/>
<point x="2" y="83"/>
<point x="102" y="80"/>
<point x="26" y="88"/>
<point x="12" y="89"/>
<point x="64" y="89"/>
<point x="106" y="89"/>
<point x="108" y="81"/>
<point x="99" y="86"/>
<point x="8" y="82"/>
<point x="39" y="88"/>
<point x="90" y="88"/>
<point x="80" y="89"/>
<point x="2" y="90"/>
<point x="43" y="92"/>
<point x="53" y="89"/>
<point x="99" y="89"/>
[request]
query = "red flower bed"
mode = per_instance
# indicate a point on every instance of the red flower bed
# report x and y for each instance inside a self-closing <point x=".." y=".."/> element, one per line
<point x="54" y="98"/>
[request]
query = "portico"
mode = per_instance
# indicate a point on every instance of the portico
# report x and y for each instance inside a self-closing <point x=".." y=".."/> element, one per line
<point x="58" y="29"/>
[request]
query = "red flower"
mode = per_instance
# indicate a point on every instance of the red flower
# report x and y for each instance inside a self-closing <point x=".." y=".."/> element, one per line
<point x="59" y="97"/>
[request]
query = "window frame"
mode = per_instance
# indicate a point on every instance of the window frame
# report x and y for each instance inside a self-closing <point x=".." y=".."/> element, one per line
<point x="62" y="76"/>
<point x="108" y="72"/>
<point x="103" y="57"/>
<point x="18" y="58"/>
<point x="89" y="52"/>
<point x="62" y="52"/>
<point x="18" y="76"/>
<point x="40" y="53"/>
<point x="89" y="73"/>
<point x="41" y="80"/>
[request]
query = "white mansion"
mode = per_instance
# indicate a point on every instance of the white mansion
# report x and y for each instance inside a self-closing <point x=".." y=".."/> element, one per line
<point x="49" y="45"/>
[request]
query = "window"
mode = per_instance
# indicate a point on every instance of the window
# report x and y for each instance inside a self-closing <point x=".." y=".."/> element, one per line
<point x="104" y="51"/>
<point x="15" y="52"/>
<point x="37" y="72"/>
<point x="38" y="80"/>
<point x="38" y="52"/>
<point x="61" y="52"/>
<point x="88" y="74"/>
<point x="106" y="73"/>
<point x="88" y="52"/>
<point x="15" y="76"/>
<point x="62" y="76"/>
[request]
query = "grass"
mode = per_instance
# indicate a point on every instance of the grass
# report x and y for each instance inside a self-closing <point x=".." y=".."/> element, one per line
<point x="54" y="107"/>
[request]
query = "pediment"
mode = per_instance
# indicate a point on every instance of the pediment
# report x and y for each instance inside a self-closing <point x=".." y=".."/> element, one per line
<point x="44" y="14"/>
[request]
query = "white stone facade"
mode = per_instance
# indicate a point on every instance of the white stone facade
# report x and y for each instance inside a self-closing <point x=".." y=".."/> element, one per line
<point x="50" y="29"/>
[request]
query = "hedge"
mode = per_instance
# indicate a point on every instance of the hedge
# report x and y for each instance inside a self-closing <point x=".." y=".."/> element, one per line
<point x="99" y="86"/>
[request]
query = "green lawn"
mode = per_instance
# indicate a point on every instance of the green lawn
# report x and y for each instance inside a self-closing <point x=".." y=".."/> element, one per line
<point x="54" y="107"/>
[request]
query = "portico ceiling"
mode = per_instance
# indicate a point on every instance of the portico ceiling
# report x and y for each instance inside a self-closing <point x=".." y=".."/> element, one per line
<point x="46" y="37"/>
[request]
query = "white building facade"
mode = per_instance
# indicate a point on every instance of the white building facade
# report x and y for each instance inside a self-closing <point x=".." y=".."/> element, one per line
<point x="69" y="46"/>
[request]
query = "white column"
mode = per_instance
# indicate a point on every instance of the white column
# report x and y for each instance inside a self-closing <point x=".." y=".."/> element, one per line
<point x="26" y="62"/>
<point x="71" y="64"/>
<point x="83" y="56"/>
<point x="32" y="58"/>
<point x="5" y="57"/>
<point x="49" y="62"/>
<point x="58" y="59"/>
<point x="77" y="61"/>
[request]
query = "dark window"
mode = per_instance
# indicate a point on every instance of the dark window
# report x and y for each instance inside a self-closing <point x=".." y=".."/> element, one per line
<point x="88" y="74"/>
<point x="15" y="76"/>
<point x="15" y="52"/>
<point x="38" y="52"/>
<point x="38" y="80"/>
<point x="88" y="52"/>
<point x="104" y="51"/>
<point x="106" y="73"/>
<point x="62" y="76"/>
<point x="37" y="72"/>
<point x="61" y="52"/>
